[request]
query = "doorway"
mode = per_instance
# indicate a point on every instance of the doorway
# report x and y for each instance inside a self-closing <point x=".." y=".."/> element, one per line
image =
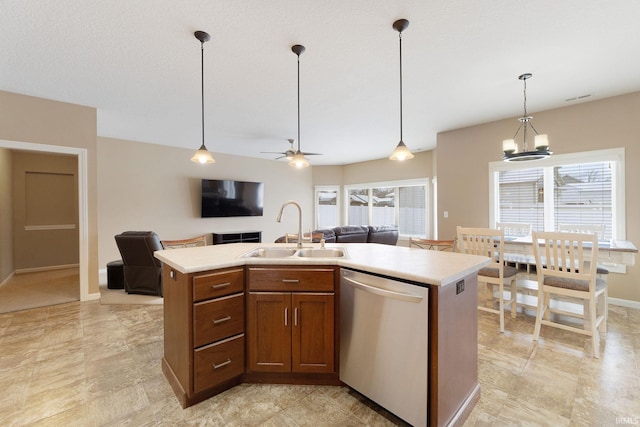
<point x="83" y="244"/>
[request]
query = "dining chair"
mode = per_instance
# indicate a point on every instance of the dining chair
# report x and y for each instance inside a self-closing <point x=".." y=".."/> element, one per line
<point x="566" y="264"/>
<point x="184" y="243"/>
<point x="513" y="230"/>
<point x="434" y="245"/>
<point x="490" y="243"/>
<point x="598" y="230"/>
<point x="306" y="237"/>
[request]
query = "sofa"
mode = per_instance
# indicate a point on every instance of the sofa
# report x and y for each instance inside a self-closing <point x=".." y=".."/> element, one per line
<point x="384" y="234"/>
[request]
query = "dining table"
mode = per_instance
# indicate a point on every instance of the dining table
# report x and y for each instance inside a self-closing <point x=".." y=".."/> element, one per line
<point x="615" y="255"/>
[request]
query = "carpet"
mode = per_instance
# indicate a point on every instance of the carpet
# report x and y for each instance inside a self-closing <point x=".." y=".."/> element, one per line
<point x="119" y="296"/>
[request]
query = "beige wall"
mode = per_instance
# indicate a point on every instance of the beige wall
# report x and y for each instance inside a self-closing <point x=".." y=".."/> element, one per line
<point x="40" y="248"/>
<point x="421" y="166"/>
<point x="42" y="121"/>
<point x="464" y="156"/>
<point x="6" y="215"/>
<point x="157" y="188"/>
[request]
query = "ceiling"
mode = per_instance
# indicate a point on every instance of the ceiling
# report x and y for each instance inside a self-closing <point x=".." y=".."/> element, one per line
<point x="138" y="63"/>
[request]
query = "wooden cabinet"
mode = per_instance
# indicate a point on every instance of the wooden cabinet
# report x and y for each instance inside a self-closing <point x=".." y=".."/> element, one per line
<point x="291" y="319"/>
<point x="204" y="323"/>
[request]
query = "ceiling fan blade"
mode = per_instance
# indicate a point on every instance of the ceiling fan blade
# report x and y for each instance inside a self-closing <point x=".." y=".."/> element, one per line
<point x="312" y="154"/>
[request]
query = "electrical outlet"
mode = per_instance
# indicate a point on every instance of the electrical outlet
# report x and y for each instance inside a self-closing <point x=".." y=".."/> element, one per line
<point x="459" y="286"/>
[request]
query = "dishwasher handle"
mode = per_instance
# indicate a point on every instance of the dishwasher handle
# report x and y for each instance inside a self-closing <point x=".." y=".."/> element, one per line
<point x="384" y="292"/>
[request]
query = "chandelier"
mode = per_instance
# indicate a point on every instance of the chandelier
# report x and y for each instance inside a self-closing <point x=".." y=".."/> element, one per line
<point x="540" y="144"/>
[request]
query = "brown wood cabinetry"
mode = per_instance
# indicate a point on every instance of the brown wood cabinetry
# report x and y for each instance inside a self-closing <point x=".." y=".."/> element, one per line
<point x="291" y="320"/>
<point x="204" y="323"/>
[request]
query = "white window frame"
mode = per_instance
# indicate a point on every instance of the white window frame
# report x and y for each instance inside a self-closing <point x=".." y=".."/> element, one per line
<point x="318" y="189"/>
<point x="398" y="183"/>
<point x="614" y="155"/>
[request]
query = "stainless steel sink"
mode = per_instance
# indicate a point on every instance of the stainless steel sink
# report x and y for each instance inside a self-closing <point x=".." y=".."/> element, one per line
<point x="270" y="253"/>
<point x="321" y="253"/>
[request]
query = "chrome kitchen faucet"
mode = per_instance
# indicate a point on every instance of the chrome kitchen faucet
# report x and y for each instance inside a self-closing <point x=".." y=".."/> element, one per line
<point x="279" y="218"/>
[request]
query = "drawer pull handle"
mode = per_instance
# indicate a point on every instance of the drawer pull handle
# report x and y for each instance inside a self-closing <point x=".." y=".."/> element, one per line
<point x="290" y="280"/>
<point x="222" y="364"/>
<point x="221" y="285"/>
<point x="224" y="319"/>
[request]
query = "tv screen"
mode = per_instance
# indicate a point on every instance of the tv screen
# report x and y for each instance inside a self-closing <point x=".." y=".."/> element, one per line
<point x="222" y="198"/>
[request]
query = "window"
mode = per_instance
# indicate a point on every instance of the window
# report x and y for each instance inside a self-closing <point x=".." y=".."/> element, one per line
<point x="327" y="206"/>
<point x="582" y="188"/>
<point x="403" y="203"/>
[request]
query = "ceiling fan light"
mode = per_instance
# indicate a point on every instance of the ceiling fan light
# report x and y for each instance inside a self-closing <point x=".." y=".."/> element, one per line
<point x="203" y="156"/>
<point x="401" y="153"/>
<point x="299" y="161"/>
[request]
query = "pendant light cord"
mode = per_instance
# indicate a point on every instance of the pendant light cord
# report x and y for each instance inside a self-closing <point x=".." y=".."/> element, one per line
<point x="400" y="38"/>
<point x="298" y="102"/>
<point x="202" y="86"/>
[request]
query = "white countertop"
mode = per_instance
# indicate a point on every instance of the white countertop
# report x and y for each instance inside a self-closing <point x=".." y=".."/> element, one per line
<point x="419" y="265"/>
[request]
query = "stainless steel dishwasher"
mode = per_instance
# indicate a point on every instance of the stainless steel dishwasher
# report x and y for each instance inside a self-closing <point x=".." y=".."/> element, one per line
<point x="383" y="342"/>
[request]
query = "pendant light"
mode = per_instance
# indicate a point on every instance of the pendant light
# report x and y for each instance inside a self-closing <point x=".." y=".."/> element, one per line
<point x="202" y="155"/>
<point x="401" y="152"/>
<point x="541" y="142"/>
<point x="298" y="160"/>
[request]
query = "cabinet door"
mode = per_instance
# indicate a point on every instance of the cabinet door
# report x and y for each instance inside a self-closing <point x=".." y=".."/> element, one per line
<point x="269" y="332"/>
<point x="313" y="333"/>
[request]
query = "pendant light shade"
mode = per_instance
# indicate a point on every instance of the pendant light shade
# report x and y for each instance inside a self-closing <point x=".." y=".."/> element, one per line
<point x="401" y="152"/>
<point x="298" y="160"/>
<point x="202" y="155"/>
<point x="540" y="142"/>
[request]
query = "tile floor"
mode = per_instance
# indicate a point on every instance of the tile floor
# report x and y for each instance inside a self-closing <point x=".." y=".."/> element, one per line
<point x="87" y="364"/>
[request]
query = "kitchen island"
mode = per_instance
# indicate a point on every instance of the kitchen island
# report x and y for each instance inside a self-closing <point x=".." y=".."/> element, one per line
<point x="238" y="296"/>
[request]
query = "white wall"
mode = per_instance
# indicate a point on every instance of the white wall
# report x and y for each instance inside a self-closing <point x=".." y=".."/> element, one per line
<point x="153" y="187"/>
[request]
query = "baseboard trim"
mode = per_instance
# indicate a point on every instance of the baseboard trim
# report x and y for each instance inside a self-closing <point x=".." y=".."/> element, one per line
<point x="47" y="268"/>
<point x="92" y="297"/>
<point x="624" y="303"/>
<point x="8" y="278"/>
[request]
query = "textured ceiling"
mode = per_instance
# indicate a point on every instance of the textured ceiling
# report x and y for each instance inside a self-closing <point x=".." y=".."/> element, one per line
<point x="138" y="63"/>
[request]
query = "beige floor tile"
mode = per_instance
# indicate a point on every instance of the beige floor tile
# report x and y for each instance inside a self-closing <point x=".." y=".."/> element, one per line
<point x="79" y="364"/>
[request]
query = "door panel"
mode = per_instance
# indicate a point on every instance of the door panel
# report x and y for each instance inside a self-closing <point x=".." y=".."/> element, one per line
<point x="313" y="332"/>
<point x="269" y="332"/>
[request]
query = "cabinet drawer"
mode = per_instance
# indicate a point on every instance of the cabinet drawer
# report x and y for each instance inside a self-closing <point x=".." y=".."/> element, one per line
<point x="291" y="279"/>
<point x="217" y="319"/>
<point x="218" y="362"/>
<point x="213" y="285"/>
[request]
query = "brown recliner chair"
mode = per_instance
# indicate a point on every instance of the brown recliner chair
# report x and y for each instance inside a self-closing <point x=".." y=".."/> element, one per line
<point x="142" y="271"/>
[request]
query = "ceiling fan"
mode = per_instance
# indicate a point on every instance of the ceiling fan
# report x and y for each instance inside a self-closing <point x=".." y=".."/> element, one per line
<point x="290" y="152"/>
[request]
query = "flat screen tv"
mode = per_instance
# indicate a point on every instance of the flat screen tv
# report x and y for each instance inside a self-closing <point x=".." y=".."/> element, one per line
<point x="224" y="198"/>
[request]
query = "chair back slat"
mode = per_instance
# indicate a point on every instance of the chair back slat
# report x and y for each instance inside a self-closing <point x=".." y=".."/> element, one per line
<point x="482" y="241"/>
<point x="514" y="229"/>
<point x="566" y="255"/>
<point x="583" y="228"/>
